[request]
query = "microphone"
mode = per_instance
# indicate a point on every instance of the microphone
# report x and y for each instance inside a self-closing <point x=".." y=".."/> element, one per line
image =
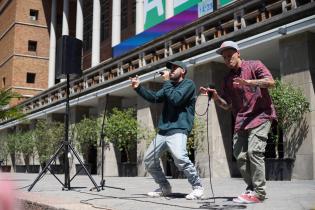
<point x="160" y="73"/>
<point x="210" y="93"/>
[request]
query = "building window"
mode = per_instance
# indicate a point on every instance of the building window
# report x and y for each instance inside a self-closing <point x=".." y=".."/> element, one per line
<point x="33" y="14"/>
<point x="30" y="77"/>
<point x="32" y="46"/>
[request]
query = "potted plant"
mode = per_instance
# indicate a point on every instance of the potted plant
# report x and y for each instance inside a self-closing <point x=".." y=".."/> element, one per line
<point x="86" y="135"/>
<point x="291" y="105"/>
<point x="122" y="129"/>
<point x="26" y="146"/>
<point x="48" y="137"/>
<point x="14" y="140"/>
<point x="12" y="147"/>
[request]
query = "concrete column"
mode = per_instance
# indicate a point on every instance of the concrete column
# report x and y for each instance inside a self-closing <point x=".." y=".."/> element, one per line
<point x="96" y="32"/>
<point x="220" y="126"/>
<point x="65" y="16"/>
<point x="147" y="115"/>
<point x="169" y="9"/>
<point x="297" y="66"/>
<point x="116" y="22"/>
<point x="139" y="16"/>
<point x="52" y="45"/>
<point x="79" y="20"/>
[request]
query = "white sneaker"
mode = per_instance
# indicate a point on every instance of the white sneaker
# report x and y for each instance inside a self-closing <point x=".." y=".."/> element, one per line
<point x="162" y="191"/>
<point x="197" y="193"/>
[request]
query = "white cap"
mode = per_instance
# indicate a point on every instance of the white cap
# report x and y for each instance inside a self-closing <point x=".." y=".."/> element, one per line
<point x="227" y="45"/>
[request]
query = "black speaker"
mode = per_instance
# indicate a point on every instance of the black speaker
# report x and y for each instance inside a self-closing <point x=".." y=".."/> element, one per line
<point x="68" y="57"/>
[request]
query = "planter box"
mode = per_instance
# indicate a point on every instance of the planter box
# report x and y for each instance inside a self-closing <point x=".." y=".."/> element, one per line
<point x="279" y="168"/>
<point x="57" y="169"/>
<point x="20" y="168"/>
<point x="78" y="167"/>
<point x="6" y="169"/>
<point x="32" y="168"/>
<point x="127" y="169"/>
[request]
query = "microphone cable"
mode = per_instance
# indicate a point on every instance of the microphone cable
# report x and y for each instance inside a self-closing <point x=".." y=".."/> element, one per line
<point x="208" y="144"/>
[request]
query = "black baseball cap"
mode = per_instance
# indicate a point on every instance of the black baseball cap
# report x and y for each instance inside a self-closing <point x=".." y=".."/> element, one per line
<point x="181" y="64"/>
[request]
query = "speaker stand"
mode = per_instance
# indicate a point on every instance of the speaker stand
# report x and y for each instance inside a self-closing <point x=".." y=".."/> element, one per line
<point x="67" y="147"/>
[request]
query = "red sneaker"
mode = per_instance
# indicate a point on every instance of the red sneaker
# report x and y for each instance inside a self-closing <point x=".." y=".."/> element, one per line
<point x="249" y="198"/>
<point x="239" y="199"/>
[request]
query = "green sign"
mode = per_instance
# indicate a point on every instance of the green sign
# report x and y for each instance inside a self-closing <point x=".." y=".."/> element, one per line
<point x="182" y="5"/>
<point x="223" y="2"/>
<point x="154" y="10"/>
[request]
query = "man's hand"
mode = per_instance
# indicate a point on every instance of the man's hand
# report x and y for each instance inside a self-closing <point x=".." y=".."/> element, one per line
<point x="206" y="91"/>
<point x="166" y="75"/>
<point x="239" y="82"/>
<point x="135" y="82"/>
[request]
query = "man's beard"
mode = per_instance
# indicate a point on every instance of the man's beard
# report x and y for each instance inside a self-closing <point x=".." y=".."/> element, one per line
<point x="175" y="78"/>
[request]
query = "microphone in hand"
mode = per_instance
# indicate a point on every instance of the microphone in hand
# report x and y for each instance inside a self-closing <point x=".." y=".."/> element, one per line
<point x="161" y="73"/>
<point x="211" y="86"/>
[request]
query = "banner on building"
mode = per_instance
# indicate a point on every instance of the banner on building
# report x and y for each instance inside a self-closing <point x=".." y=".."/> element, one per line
<point x="205" y="7"/>
<point x="155" y="10"/>
<point x="224" y="2"/>
<point x="185" y="12"/>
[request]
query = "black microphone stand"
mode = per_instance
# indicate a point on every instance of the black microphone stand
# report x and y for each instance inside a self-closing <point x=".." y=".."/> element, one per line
<point x="104" y="146"/>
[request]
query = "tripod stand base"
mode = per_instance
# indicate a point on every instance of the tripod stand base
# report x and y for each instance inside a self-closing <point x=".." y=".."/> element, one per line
<point x="67" y="147"/>
<point x="102" y="185"/>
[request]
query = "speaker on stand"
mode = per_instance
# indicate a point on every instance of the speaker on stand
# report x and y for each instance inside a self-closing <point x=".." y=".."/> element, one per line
<point x="68" y="62"/>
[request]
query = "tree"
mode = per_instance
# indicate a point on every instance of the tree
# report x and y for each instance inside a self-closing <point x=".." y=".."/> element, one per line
<point x="11" y="144"/>
<point x="87" y="134"/>
<point x="26" y="145"/>
<point x="122" y="129"/>
<point x="4" y="152"/>
<point x="5" y="112"/>
<point x="48" y="136"/>
<point x="291" y="105"/>
<point x="196" y="136"/>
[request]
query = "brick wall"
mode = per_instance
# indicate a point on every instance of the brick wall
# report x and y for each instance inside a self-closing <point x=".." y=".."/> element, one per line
<point x="15" y="42"/>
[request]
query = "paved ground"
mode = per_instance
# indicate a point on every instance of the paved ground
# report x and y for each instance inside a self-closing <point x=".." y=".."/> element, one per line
<point x="48" y="194"/>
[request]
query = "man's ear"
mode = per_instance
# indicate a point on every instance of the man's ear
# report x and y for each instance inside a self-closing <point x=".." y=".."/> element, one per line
<point x="239" y="54"/>
<point x="183" y="72"/>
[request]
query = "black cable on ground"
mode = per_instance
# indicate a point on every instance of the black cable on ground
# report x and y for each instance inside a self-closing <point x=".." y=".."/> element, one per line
<point x="137" y="199"/>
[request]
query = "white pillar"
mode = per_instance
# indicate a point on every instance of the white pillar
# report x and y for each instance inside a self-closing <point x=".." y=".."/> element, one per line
<point x="139" y="16"/>
<point x="79" y="20"/>
<point x="96" y="35"/>
<point x="65" y="15"/>
<point x="52" y="45"/>
<point x="169" y="9"/>
<point x="116" y="20"/>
